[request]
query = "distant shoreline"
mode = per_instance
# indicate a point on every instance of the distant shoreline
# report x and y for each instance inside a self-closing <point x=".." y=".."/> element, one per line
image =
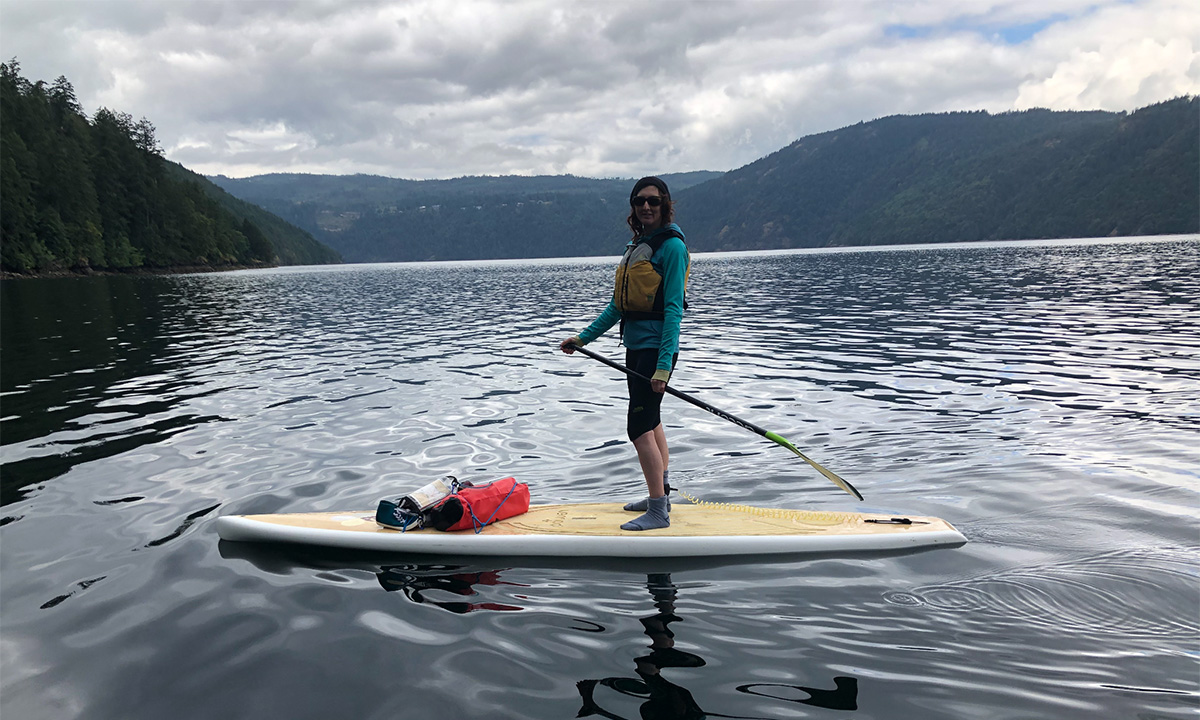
<point x="191" y="269"/>
<point x="92" y="272"/>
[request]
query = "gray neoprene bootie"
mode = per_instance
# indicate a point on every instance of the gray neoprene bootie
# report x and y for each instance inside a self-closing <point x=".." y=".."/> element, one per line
<point x="657" y="516"/>
<point x="640" y="505"/>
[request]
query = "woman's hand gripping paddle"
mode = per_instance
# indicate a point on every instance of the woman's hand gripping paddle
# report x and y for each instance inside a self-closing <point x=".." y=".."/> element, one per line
<point x="731" y="418"/>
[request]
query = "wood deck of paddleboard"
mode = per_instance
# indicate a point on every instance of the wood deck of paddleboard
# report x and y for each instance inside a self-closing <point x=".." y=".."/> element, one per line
<point x="604" y="519"/>
<point x="594" y="529"/>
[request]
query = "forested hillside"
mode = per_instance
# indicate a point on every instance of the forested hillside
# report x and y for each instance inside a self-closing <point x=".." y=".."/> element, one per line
<point x="963" y="177"/>
<point x="80" y="194"/>
<point x="905" y="179"/>
<point x="292" y="245"/>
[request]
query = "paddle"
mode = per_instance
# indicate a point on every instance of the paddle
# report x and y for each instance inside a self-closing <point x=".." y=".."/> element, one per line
<point x="731" y="418"/>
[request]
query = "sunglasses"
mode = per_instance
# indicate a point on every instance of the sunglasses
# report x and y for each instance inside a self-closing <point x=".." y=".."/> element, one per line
<point x="651" y="200"/>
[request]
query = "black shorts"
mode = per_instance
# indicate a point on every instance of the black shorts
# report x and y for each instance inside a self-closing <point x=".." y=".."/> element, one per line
<point x="644" y="403"/>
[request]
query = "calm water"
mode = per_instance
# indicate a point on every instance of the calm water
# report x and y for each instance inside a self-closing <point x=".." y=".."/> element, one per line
<point x="1043" y="397"/>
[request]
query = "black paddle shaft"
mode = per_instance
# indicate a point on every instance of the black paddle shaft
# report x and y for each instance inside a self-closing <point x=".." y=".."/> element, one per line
<point x="773" y="437"/>
<point x="681" y="395"/>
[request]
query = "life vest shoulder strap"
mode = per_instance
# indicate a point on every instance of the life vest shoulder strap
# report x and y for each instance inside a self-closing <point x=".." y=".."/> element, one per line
<point x="656" y="242"/>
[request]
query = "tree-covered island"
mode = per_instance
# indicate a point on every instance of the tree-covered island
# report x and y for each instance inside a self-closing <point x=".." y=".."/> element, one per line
<point x="84" y="195"/>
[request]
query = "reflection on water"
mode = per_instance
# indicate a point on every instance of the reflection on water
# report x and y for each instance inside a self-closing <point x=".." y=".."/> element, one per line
<point x="1041" y="396"/>
<point x="658" y="696"/>
<point x="422" y="584"/>
<point x="662" y="699"/>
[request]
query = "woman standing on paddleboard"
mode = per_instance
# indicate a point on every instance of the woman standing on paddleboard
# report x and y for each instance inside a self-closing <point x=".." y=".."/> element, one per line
<point x="648" y="301"/>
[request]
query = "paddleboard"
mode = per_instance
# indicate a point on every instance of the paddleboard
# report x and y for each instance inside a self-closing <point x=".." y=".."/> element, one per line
<point x="593" y="530"/>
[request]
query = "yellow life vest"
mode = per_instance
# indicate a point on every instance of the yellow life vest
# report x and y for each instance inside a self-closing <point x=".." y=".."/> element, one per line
<point x="638" y="292"/>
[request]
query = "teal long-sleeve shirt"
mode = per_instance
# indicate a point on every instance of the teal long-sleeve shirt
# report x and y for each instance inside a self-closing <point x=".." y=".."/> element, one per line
<point x="671" y="261"/>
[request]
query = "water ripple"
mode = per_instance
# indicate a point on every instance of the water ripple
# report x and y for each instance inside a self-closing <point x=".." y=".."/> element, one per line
<point x="1145" y="593"/>
<point x="1043" y="397"/>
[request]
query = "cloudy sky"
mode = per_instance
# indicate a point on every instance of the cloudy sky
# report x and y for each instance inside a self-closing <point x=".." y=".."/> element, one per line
<point x="605" y="88"/>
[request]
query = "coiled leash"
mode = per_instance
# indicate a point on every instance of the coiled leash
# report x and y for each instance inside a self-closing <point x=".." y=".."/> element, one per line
<point x="808" y="517"/>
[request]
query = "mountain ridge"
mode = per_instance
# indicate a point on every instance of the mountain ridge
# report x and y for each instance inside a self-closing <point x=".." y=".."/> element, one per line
<point x="934" y="177"/>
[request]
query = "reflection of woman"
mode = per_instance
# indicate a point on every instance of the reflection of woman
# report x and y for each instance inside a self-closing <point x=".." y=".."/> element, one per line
<point x="648" y="300"/>
<point x="664" y="700"/>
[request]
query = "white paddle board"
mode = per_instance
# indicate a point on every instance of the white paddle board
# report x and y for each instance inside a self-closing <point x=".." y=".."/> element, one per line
<point x="593" y="530"/>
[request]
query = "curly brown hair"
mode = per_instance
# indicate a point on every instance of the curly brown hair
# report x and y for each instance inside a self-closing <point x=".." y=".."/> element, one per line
<point x="667" y="208"/>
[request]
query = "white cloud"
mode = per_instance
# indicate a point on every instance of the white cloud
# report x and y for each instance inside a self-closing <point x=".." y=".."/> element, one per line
<point x="434" y="89"/>
<point x="1117" y="59"/>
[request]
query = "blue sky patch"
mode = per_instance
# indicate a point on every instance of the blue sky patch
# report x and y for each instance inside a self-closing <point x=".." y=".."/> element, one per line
<point x="1008" y="34"/>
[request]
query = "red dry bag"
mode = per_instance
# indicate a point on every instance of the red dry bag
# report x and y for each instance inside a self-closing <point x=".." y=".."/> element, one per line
<point x="479" y="505"/>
